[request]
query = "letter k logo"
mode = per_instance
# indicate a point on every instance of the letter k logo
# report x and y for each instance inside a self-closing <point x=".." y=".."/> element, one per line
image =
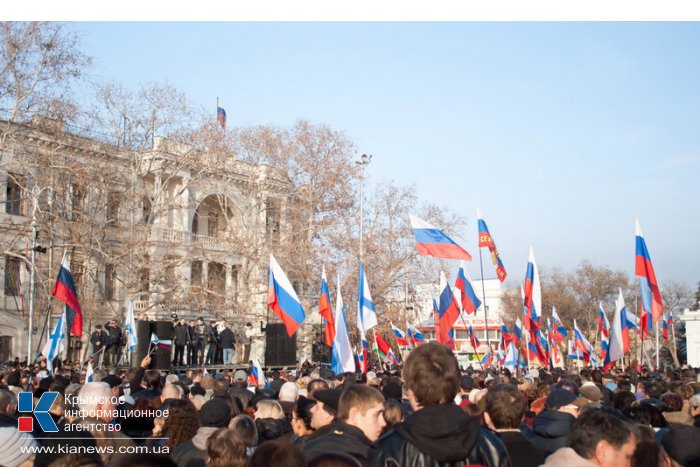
<point x="41" y="412"/>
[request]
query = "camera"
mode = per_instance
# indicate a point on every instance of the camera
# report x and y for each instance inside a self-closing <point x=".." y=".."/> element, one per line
<point x="173" y="316"/>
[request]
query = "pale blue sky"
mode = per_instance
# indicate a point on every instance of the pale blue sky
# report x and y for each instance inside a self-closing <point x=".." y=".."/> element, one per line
<point x="562" y="133"/>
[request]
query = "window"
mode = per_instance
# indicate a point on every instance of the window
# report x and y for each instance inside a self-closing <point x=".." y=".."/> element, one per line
<point x="195" y="223"/>
<point x="272" y="221"/>
<point x="110" y="282"/>
<point x="196" y="274"/>
<point x="146" y="210"/>
<point x="13" y="196"/>
<point x="12" y="267"/>
<point x="213" y="223"/>
<point x="77" y="202"/>
<point x="144" y="280"/>
<point x="216" y="277"/>
<point x="113" y="207"/>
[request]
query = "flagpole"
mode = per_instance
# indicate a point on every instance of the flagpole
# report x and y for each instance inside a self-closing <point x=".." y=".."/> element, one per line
<point x="483" y="298"/>
<point x="673" y="336"/>
<point x="657" y="346"/>
<point x="527" y="349"/>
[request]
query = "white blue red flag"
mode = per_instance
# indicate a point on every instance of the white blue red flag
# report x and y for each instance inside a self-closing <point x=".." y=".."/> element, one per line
<point x="366" y="314"/>
<point x="619" y="342"/>
<point x="221" y="117"/>
<point x="511" y="357"/>
<point x="487" y="359"/>
<point x="325" y="310"/>
<point x="89" y="373"/>
<point x="473" y="338"/>
<point x="664" y="328"/>
<point x="414" y="335"/>
<point x="64" y="290"/>
<point x="282" y="299"/>
<point x="602" y="319"/>
<point x="468" y="299"/>
<point x="448" y="309"/>
<point x="485" y="240"/>
<point x="649" y="287"/>
<point x="558" y="331"/>
<point x="532" y="303"/>
<point x="342" y="359"/>
<point x="433" y="242"/>
<point x="582" y="343"/>
<point x="517" y="332"/>
<point x="257" y="375"/>
<point x="399" y="335"/>
<point x="55" y="342"/>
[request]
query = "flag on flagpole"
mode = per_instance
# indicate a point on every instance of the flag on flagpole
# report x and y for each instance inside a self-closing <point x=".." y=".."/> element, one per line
<point x="619" y="342"/>
<point x="162" y="344"/>
<point x="485" y="240"/>
<point x="282" y="299"/>
<point x="433" y="242"/>
<point x="473" y="338"/>
<point x="602" y="320"/>
<point x="487" y="359"/>
<point x="533" y="296"/>
<point x="467" y="297"/>
<point x="89" y="373"/>
<point x="385" y="349"/>
<point x="257" y="375"/>
<point x="448" y="310"/>
<point x="55" y="342"/>
<point x="221" y="117"/>
<point x="558" y="332"/>
<point x="414" y="335"/>
<point x="342" y="359"/>
<point x="517" y="333"/>
<point x="582" y="343"/>
<point x="131" y="326"/>
<point x="511" y="357"/>
<point x="366" y="314"/>
<point x="399" y="336"/>
<point x="649" y="287"/>
<point x="325" y="310"/>
<point x="64" y="290"/>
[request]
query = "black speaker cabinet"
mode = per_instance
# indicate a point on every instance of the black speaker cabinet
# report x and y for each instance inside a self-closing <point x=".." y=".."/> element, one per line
<point x="143" y="334"/>
<point x="280" y="349"/>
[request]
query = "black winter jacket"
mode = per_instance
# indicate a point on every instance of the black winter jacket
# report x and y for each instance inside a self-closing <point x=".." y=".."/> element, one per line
<point x="339" y="437"/>
<point x="441" y="436"/>
<point x="551" y="430"/>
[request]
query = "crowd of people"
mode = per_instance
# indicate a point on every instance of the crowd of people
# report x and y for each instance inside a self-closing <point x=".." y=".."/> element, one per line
<point x="428" y="413"/>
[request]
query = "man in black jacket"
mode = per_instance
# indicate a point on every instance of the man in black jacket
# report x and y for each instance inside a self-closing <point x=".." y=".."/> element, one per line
<point x="553" y="425"/>
<point x="99" y="340"/>
<point x="228" y="341"/>
<point x="114" y="343"/>
<point x="179" y="340"/>
<point x="361" y="419"/>
<point x="505" y="407"/>
<point x="438" y="432"/>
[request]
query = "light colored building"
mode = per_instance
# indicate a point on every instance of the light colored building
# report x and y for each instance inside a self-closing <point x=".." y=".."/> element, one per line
<point x="692" y="336"/>
<point x="179" y="230"/>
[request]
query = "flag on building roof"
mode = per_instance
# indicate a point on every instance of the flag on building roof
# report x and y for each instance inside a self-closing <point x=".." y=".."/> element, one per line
<point x="399" y="335"/>
<point x="532" y="303"/>
<point x="64" y="290"/>
<point x="221" y="117"/>
<point x="485" y="240"/>
<point x="433" y="242"/>
<point x="56" y="342"/>
<point x="342" y="359"/>
<point x="325" y="310"/>
<point x="366" y="314"/>
<point x="649" y="287"/>
<point x="282" y="299"/>
<point x="467" y="297"/>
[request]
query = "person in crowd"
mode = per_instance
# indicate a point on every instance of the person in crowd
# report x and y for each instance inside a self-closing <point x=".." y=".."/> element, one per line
<point x="239" y="387"/>
<point x="325" y="412"/>
<point x="315" y="384"/>
<point x="212" y="343"/>
<point x="201" y="341"/>
<point x="596" y="438"/>
<point x="181" y="424"/>
<point x="287" y="397"/>
<point x="278" y="454"/>
<point x="393" y="413"/>
<point x="114" y="343"/>
<point x="225" y="449"/>
<point x="301" y="419"/>
<point x="99" y="340"/>
<point x="191" y="343"/>
<point x="504" y="411"/>
<point x="552" y="425"/>
<point x="694" y="409"/>
<point x="438" y="431"/>
<point x="244" y="426"/>
<point x="228" y="343"/>
<point x="271" y="421"/>
<point x="360" y="422"/>
<point x="192" y="453"/>
<point x="180" y="338"/>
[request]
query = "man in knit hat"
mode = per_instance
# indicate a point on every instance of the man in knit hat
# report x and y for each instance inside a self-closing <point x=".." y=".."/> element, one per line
<point x="214" y="414"/>
<point x="15" y="447"/>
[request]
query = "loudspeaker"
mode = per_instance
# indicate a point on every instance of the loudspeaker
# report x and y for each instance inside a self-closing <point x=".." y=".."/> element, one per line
<point x="162" y="357"/>
<point x="143" y="335"/>
<point x="280" y="349"/>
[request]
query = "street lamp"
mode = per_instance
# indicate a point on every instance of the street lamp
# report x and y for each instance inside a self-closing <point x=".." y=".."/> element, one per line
<point x="35" y="193"/>
<point x="364" y="161"/>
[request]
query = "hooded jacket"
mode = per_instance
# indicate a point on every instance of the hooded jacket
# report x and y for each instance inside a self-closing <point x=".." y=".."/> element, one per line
<point x="339" y="437"/>
<point x="441" y="435"/>
<point x="551" y="430"/>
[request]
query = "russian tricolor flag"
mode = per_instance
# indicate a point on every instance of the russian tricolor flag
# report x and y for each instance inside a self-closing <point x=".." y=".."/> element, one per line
<point x="64" y="290"/>
<point x="448" y="310"/>
<point x="415" y="337"/>
<point x="558" y="329"/>
<point x="432" y="242"/>
<point x="532" y="303"/>
<point x="485" y="240"/>
<point x="472" y="337"/>
<point x="619" y="342"/>
<point x="325" y="310"/>
<point x="603" y="323"/>
<point x="342" y="355"/>
<point x="257" y="375"/>
<point x="221" y="117"/>
<point x="651" y="295"/>
<point x="399" y="335"/>
<point x="517" y="332"/>
<point x="282" y="298"/>
<point x="469" y="301"/>
<point x="582" y="343"/>
<point x="487" y="359"/>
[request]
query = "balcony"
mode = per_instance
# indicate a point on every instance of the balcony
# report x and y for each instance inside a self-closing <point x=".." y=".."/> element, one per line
<point x="180" y="237"/>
